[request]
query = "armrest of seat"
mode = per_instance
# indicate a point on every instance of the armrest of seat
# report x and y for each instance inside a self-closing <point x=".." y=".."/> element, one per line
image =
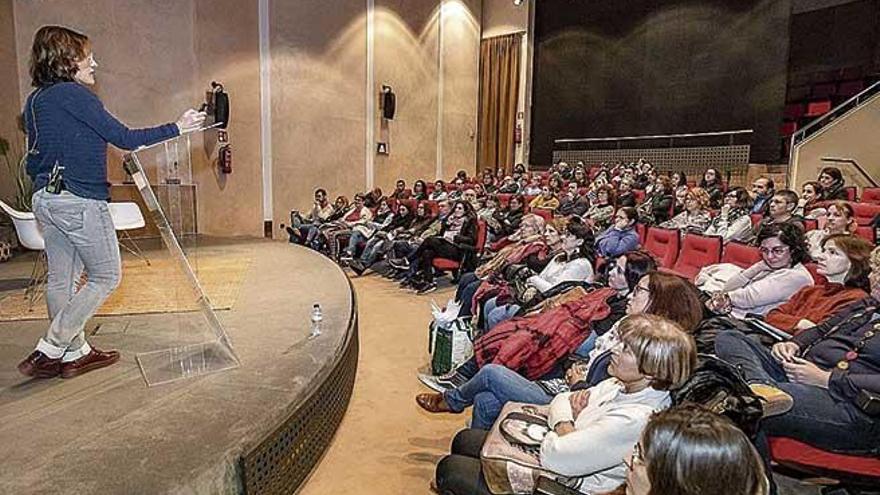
<point x="547" y="486"/>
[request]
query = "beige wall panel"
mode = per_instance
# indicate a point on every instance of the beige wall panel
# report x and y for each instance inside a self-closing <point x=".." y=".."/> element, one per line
<point x="851" y="136"/>
<point x="10" y="103"/>
<point x="318" y="106"/>
<point x="503" y="17"/>
<point x="227" y="50"/>
<point x="461" y="85"/>
<point x="144" y="51"/>
<point x="405" y="57"/>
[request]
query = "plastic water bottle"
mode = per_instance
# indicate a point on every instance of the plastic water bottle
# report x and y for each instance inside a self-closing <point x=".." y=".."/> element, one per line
<point x="316" y="318"/>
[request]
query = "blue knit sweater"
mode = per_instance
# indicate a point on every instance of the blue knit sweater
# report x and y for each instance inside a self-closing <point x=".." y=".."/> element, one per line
<point x="73" y="129"/>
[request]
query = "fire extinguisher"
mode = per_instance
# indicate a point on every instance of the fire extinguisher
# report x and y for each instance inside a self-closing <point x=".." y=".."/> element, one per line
<point x="224" y="158"/>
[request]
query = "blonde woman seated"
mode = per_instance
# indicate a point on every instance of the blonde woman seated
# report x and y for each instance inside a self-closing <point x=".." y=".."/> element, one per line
<point x="695" y="217"/>
<point x="839" y="221"/>
<point x="593" y="430"/>
<point x="688" y="450"/>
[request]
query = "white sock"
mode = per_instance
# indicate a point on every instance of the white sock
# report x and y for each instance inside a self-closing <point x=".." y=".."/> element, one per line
<point x="51" y="351"/>
<point x="76" y="354"/>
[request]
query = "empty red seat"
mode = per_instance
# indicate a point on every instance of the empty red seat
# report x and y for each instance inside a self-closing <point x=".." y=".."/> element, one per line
<point x="865" y="212"/>
<point x="867" y="233"/>
<point x="697" y="251"/>
<point x="788" y="128"/>
<point x="741" y="255"/>
<point x="664" y="245"/>
<point x="871" y="195"/>
<point x="825" y="90"/>
<point x="817" y="108"/>
<point x="850" y="88"/>
<point x="448" y="265"/>
<point x="850" y="193"/>
<point x="848" y="469"/>
<point x="794" y="111"/>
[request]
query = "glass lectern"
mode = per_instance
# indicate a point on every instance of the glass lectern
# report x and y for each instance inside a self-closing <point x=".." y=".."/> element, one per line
<point x="201" y="345"/>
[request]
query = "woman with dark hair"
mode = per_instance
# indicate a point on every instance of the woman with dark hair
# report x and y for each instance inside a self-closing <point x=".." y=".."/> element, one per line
<point x="506" y="220"/>
<point x="811" y="196"/>
<point x="457" y="240"/>
<point x="621" y="236"/>
<point x="845" y="261"/>
<point x="833" y="185"/>
<point x="678" y="180"/>
<point x="733" y="222"/>
<point x="381" y="241"/>
<point x="420" y="191"/>
<point x="593" y="429"/>
<point x="770" y="282"/>
<point x="711" y="183"/>
<point x="373" y="198"/>
<point x="839" y="220"/>
<point x="599" y="215"/>
<point x="689" y="450"/>
<point x="580" y="177"/>
<point x="658" y="206"/>
<point x="68" y="130"/>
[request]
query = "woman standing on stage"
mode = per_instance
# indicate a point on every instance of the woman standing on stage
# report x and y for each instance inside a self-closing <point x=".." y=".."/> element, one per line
<point x="68" y="129"/>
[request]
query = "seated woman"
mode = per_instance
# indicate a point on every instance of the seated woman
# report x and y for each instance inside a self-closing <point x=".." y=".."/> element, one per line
<point x="546" y="200"/>
<point x="457" y="240"/>
<point x="439" y="193"/>
<point x="844" y="261"/>
<point x="312" y="233"/>
<point x="840" y="220"/>
<point x="695" y="217"/>
<point x="833" y="186"/>
<point x="770" y="282"/>
<point x="599" y="214"/>
<point x="420" y="190"/>
<point x="506" y="221"/>
<point x="571" y="260"/>
<point x="658" y="205"/>
<point x="656" y="293"/>
<point x="733" y="222"/>
<point x="808" y="204"/>
<point x="711" y="183"/>
<point x="533" y="188"/>
<point x="356" y="214"/>
<point x="620" y="237"/>
<point x="362" y="232"/>
<point x="594" y="429"/>
<point x="689" y="450"/>
<point x="380" y="241"/>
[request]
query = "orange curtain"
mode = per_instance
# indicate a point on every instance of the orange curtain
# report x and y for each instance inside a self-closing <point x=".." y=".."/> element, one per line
<point x="499" y="92"/>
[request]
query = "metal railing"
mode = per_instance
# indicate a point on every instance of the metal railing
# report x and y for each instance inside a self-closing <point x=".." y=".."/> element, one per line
<point x="670" y="138"/>
<point x="820" y="122"/>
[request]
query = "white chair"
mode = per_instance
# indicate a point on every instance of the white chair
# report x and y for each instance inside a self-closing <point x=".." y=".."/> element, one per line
<point x="127" y="216"/>
<point x="30" y="237"/>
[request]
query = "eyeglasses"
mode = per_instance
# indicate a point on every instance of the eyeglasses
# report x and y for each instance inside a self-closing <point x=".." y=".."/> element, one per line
<point x="775" y="251"/>
<point x="640" y="288"/>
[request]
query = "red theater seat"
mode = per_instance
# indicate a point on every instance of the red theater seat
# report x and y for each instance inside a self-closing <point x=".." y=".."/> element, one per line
<point x="741" y="255"/>
<point x="865" y="212"/>
<point x="504" y="199"/>
<point x="871" y="195"/>
<point x="794" y="111"/>
<point x="850" y="88"/>
<point x="788" y="128"/>
<point x="639" y="195"/>
<point x="449" y="265"/>
<point x="664" y="245"/>
<point x="849" y="469"/>
<point x="867" y="233"/>
<point x="544" y="213"/>
<point x="642" y="229"/>
<point x="697" y="251"/>
<point x="756" y="219"/>
<point x="433" y="206"/>
<point x="810" y="224"/>
<point x="817" y="108"/>
<point x="410" y="203"/>
<point x="850" y="193"/>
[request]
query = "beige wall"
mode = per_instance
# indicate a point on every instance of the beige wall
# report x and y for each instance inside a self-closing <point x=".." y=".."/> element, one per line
<point x="853" y="135"/>
<point x="10" y="105"/>
<point x="503" y="17"/>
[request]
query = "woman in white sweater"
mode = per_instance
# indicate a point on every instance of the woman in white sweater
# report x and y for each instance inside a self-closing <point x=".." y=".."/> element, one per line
<point x="593" y="430"/>
<point x="770" y="282"/>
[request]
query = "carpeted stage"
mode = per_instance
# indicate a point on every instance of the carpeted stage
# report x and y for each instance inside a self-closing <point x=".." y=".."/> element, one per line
<point x="259" y="428"/>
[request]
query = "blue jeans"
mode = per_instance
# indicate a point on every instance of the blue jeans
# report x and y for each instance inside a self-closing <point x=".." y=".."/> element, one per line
<point x="488" y="391"/>
<point x="496" y="314"/>
<point x="468" y="284"/>
<point x="816" y="418"/>
<point x="372" y="250"/>
<point x="79" y="235"/>
<point x="312" y="234"/>
<point x="353" y="241"/>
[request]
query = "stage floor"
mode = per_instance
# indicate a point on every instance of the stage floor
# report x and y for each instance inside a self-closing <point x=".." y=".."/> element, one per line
<point x="107" y="432"/>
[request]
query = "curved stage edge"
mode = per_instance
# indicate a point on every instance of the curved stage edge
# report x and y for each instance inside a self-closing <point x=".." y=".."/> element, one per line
<point x="260" y="428"/>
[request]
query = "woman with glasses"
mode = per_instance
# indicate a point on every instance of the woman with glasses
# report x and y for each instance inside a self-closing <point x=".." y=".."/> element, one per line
<point x="733" y="222"/>
<point x="770" y="282"/>
<point x="592" y="430"/>
<point x="599" y="215"/>
<point x="688" y="450"/>
<point x="695" y="217"/>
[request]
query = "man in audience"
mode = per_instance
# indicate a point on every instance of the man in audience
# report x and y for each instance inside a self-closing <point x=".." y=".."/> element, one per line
<point x="763" y="190"/>
<point x="780" y="209"/>
<point x="400" y="191"/>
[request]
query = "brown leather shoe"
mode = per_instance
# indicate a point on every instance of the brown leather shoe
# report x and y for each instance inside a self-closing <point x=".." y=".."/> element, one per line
<point x="91" y="361"/>
<point x="39" y="365"/>
<point x="433" y="403"/>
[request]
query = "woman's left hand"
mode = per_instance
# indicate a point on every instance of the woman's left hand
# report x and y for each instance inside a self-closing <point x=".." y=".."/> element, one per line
<point x="799" y="370"/>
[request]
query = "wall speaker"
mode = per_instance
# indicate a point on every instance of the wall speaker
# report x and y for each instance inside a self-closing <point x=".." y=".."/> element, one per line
<point x="389" y="103"/>
<point x="221" y="107"/>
